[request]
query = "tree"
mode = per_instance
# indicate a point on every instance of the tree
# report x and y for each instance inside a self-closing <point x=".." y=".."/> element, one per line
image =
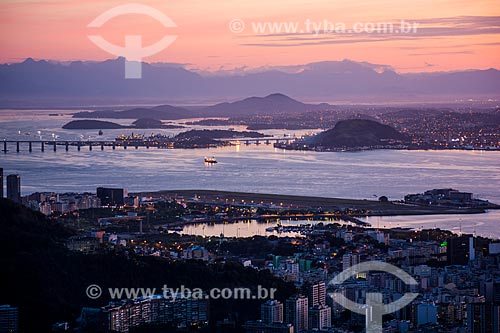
<point x="383" y="199"/>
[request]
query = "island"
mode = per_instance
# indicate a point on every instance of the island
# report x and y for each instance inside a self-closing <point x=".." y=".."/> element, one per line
<point x="211" y="138"/>
<point x="352" y="135"/>
<point x="189" y="139"/>
<point x="150" y="123"/>
<point x="91" y="125"/>
<point x="143" y="123"/>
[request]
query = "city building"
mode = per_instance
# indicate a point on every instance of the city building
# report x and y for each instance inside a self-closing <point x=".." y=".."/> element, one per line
<point x="186" y="311"/>
<point x="271" y="312"/>
<point x="53" y="203"/>
<point x="111" y="196"/>
<point x="490" y="289"/>
<point x="8" y="319"/>
<point x="320" y="317"/>
<point x="293" y="267"/>
<point x="459" y="250"/>
<point x="297" y="312"/>
<point x="494" y="248"/>
<point x="124" y="315"/>
<point x="317" y="294"/>
<point x="426" y="314"/>
<point x="85" y="244"/>
<point x="196" y="252"/>
<point x="483" y="318"/>
<point x="349" y="260"/>
<point x="444" y="197"/>
<point x="14" y="188"/>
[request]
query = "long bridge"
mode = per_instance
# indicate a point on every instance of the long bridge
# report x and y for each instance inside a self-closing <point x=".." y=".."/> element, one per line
<point x="53" y="145"/>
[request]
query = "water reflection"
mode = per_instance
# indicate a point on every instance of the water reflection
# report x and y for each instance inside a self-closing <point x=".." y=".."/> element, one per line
<point x="482" y="224"/>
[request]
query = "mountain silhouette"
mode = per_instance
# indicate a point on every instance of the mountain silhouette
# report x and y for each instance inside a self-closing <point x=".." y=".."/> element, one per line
<point x="269" y="105"/>
<point x="86" y="83"/>
<point x="358" y="133"/>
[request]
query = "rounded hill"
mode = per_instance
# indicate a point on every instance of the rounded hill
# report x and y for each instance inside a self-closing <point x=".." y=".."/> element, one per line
<point x="359" y="133"/>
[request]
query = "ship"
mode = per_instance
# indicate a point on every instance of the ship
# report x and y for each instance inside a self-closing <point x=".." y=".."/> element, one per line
<point x="210" y="160"/>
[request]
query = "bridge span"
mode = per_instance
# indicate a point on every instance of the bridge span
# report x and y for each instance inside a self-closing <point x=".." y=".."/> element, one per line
<point x="53" y="145"/>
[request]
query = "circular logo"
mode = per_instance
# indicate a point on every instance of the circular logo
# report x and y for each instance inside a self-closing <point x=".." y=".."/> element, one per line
<point x="93" y="291"/>
<point x="237" y="26"/>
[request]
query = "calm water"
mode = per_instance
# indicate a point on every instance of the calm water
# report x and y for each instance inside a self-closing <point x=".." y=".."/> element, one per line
<point x="251" y="169"/>
<point x="486" y="225"/>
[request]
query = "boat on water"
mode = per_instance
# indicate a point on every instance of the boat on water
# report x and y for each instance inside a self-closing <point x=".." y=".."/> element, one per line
<point x="100" y="132"/>
<point x="278" y="228"/>
<point x="210" y="160"/>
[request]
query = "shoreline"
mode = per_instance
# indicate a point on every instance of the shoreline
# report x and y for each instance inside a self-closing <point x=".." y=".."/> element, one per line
<point x="371" y="148"/>
<point x="279" y="201"/>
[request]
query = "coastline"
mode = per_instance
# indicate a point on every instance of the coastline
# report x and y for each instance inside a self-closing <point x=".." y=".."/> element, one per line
<point x="360" y="207"/>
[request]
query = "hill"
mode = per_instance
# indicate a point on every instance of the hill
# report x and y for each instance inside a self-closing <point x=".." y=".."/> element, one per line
<point x="47" y="282"/>
<point x="269" y="105"/>
<point x="358" y="133"/>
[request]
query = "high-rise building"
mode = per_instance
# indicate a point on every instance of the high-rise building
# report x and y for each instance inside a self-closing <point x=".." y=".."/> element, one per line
<point x="14" y="188"/>
<point x="111" y="196"/>
<point x="426" y="314"/>
<point x="490" y="289"/>
<point x="458" y="250"/>
<point x="271" y="312"/>
<point x="483" y="318"/>
<point x="349" y="260"/>
<point x="297" y="312"/>
<point x="126" y="314"/>
<point x="8" y="319"/>
<point x="320" y="317"/>
<point x="1" y="183"/>
<point x="317" y="294"/>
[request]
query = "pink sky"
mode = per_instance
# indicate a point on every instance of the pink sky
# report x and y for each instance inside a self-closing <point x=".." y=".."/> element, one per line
<point x="452" y="34"/>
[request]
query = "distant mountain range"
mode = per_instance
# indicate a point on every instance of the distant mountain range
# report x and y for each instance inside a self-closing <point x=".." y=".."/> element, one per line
<point x="86" y="83"/>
